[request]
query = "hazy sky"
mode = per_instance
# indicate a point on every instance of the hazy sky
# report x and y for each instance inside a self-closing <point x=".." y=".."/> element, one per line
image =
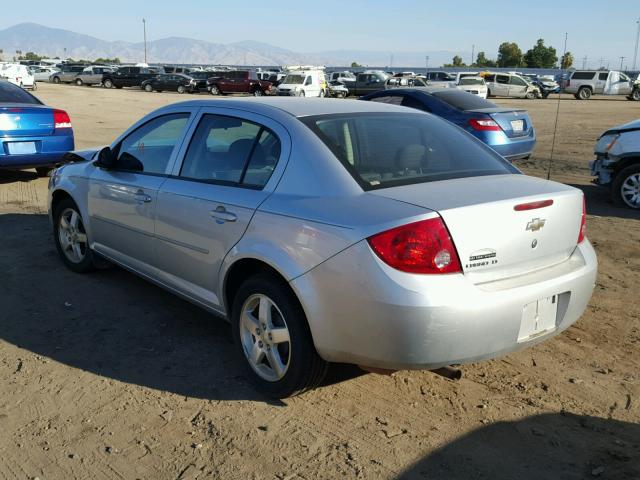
<point x="596" y="28"/>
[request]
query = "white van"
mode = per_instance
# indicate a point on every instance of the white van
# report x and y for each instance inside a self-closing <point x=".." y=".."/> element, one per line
<point x="18" y="75"/>
<point x="303" y="82"/>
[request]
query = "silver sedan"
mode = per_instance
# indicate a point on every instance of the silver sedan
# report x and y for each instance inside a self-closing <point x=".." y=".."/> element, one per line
<point x="331" y="231"/>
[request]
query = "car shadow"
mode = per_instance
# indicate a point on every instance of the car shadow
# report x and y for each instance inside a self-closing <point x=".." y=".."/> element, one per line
<point x="599" y="203"/>
<point x="549" y="446"/>
<point x="12" y="176"/>
<point x="114" y="324"/>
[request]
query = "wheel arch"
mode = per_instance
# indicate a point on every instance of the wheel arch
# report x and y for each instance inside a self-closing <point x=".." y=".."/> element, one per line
<point x="627" y="160"/>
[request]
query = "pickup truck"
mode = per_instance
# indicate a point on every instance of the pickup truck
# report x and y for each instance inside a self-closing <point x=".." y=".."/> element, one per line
<point x="238" y="81"/>
<point x="127" y="77"/>
<point x="366" y="83"/>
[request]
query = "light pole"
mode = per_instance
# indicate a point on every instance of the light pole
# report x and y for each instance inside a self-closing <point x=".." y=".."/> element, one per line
<point x="426" y="65"/>
<point x="473" y="52"/>
<point x="635" y="52"/>
<point x="621" y="60"/>
<point x="144" y="32"/>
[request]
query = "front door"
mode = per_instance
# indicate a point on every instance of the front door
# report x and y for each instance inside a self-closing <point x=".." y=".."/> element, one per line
<point x="122" y="201"/>
<point x="601" y="83"/>
<point x="206" y="206"/>
<point x="501" y="86"/>
<point x="517" y="87"/>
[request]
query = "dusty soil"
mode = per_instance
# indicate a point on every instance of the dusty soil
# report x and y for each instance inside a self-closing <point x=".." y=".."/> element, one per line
<point x="107" y="376"/>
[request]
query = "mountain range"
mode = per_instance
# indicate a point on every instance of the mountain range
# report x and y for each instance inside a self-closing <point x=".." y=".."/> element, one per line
<point x="56" y="42"/>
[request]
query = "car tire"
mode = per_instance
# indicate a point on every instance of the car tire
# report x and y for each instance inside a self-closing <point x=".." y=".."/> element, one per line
<point x="488" y="93"/>
<point x="258" y="93"/>
<point x="530" y="96"/>
<point x="299" y="367"/>
<point x="214" y="90"/>
<point x="56" y="80"/>
<point x="584" y="93"/>
<point x="79" y="82"/>
<point x="108" y="83"/>
<point x="75" y="253"/>
<point x="44" y="171"/>
<point x="34" y="86"/>
<point x="148" y="88"/>
<point x="626" y="187"/>
<point x="635" y="95"/>
<point x="301" y="94"/>
<point x="181" y="89"/>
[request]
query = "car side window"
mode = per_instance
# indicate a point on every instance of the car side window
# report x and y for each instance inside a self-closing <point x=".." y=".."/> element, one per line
<point x="308" y="80"/>
<point x="502" y="79"/>
<point x="149" y="148"/>
<point x="411" y="102"/>
<point x="231" y="150"/>
<point x="518" y="81"/>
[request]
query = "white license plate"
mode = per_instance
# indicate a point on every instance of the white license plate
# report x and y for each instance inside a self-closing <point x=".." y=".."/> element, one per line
<point x="538" y="317"/>
<point x="517" y="125"/>
<point x="21" y="148"/>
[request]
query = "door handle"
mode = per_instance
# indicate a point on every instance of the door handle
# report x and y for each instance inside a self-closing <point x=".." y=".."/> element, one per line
<point x="142" y="197"/>
<point x="221" y="215"/>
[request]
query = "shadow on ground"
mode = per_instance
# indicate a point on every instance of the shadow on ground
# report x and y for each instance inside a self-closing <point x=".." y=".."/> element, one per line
<point x="599" y="203"/>
<point x="114" y="324"/>
<point x="12" y="176"/>
<point x="551" y="446"/>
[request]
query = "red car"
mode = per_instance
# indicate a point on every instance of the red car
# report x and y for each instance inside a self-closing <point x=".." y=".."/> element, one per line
<point x="238" y="81"/>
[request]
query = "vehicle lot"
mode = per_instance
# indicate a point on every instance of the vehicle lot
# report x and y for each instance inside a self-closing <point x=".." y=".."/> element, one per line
<point x="106" y="376"/>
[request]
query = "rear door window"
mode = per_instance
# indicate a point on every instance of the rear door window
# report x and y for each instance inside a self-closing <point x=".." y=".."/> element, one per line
<point x="583" y="75"/>
<point x="502" y="79"/>
<point x="230" y="150"/>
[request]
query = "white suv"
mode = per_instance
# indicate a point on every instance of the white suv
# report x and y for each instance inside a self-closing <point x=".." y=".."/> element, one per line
<point x="584" y="83"/>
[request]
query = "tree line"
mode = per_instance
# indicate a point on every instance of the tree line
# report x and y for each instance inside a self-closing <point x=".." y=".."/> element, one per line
<point x="32" y="56"/>
<point x="510" y="55"/>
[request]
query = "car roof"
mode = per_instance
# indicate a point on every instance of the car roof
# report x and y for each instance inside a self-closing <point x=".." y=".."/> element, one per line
<point x="294" y="106"/>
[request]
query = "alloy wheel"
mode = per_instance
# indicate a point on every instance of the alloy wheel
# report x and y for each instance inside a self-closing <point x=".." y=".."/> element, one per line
<point x="630" y="190"/>
<point x="72" y="236"/>
<point x="265" y="338"/>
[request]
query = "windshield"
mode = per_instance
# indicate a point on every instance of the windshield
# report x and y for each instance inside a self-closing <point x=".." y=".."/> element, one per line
<point x="389" y="149"/>
<point x="471" y="81"/>
<point x="293" y="80"/>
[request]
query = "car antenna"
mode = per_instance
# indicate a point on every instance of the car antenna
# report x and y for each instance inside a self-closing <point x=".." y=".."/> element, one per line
<point x="555" y="128"/>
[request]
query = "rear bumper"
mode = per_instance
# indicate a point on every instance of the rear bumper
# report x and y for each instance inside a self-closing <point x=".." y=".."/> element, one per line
<point x="49" y="151"/>
<point x="512" y="148"/>
<point x="362" y="311"/>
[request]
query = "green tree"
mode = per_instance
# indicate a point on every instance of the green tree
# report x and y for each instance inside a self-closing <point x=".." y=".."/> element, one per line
<point x="113" y="61"/>
<point x="483" y="62"/>
<point x="457" y="62"/>
<point x="509" y="55"/>
<point x="355" y="65"/>
<point x="567" y="61"/>
<point x="31" y="56"/>
<point x="540" y="56"/>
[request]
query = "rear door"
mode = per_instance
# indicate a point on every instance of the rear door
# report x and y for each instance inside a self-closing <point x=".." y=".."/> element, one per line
<point x="517" y="86"/>
<point x="122" y="201"/>
<point x="501" y="86"/>
<point x="230" y="166"/>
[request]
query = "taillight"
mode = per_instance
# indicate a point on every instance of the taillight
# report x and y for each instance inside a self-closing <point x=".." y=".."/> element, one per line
<point x="61" y="120"/>
<point x="420" y="247"/>
<point x="484" y="124"/>
<point x="583" y="222"/>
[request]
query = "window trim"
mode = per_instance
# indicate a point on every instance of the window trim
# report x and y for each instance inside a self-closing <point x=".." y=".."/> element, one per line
<point x="227" y="183"/>
<point x="115" y="148"/>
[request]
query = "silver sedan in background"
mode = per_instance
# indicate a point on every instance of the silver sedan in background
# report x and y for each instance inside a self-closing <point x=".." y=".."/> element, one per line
<point x="331" y="231"/>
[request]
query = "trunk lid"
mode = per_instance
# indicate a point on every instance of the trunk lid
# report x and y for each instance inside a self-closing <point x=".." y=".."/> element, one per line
<point x="20" y="120"/>
<point x="493" y="240"/>
<point x="514" y="123"/>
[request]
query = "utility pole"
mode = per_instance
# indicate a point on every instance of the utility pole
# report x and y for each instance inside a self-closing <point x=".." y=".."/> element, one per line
<point x="144" y="33"/>
<point x="390" y="60"/>
<point x="601" y="62"/>
<point x="564" y="54"/>
<point x="473" y="52"/>
<point x="635" y="52"/>
<point x="584" y="63"/>
<point x="426" y="65"/>
<point x="621" y="60"/>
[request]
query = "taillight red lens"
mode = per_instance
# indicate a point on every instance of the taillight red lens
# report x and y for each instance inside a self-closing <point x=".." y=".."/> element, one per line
<point x="583" y="223"/>
<point x="420" y="247"/>
<point x="61" y="120"/>
<point x="484" y="124"/>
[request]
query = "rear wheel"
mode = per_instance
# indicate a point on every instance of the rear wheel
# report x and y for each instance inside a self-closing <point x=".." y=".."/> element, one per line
<point x="584" y="93"/>
<point x="56" y="80"/>
<point x="43" y="171"/>
<point x="273" y="338"/>
<point x="108" y="83"/>
<point x="258" y="93"/>
<point x="302" y="94"/>
<point x="214" y="90"/>
<point x="148" y="88"/>
<point x="625" y="188"/>
<point x="79" y="82"/>
<point x="181" y="89"/>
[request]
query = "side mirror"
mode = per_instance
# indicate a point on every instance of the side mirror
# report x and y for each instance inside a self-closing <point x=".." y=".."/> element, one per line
<point x="106" y="159"/>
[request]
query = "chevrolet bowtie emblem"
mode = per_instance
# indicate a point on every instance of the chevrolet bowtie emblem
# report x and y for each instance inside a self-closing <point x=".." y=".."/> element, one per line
<point x="536" y="224"/>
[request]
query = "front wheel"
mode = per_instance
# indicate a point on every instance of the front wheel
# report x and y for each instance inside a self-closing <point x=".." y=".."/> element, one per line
<point x="625" y="188"/>
<point x="214" y="90"/>
<point x="258" y="93"/>
<point x="148" y="88"/>
<point x="273" y="338"/>
<point x="79" y="82"/>
<point x="181" y="89"/>
<point x="584" y="93"/>
<point x="71" y="237"/>
<point x="108" y="83"/>
<point x="530" y="95"/>
<point x="56" y="80"/>
<point x="635" y="95"/>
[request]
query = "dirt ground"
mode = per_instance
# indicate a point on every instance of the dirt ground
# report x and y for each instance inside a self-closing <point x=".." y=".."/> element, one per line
<point x="107" y="376"/>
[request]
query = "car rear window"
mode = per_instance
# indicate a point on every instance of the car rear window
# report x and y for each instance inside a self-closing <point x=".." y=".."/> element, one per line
<point x="462" y="100"/>
<point x="389" y="149"/>
<point x="583" y="75"/>
<point x="10" y="93"/>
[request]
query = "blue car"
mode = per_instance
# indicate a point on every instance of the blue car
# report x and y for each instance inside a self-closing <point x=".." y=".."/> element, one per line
<point x="32" y="135"/>
<point x="508" y="131"/>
